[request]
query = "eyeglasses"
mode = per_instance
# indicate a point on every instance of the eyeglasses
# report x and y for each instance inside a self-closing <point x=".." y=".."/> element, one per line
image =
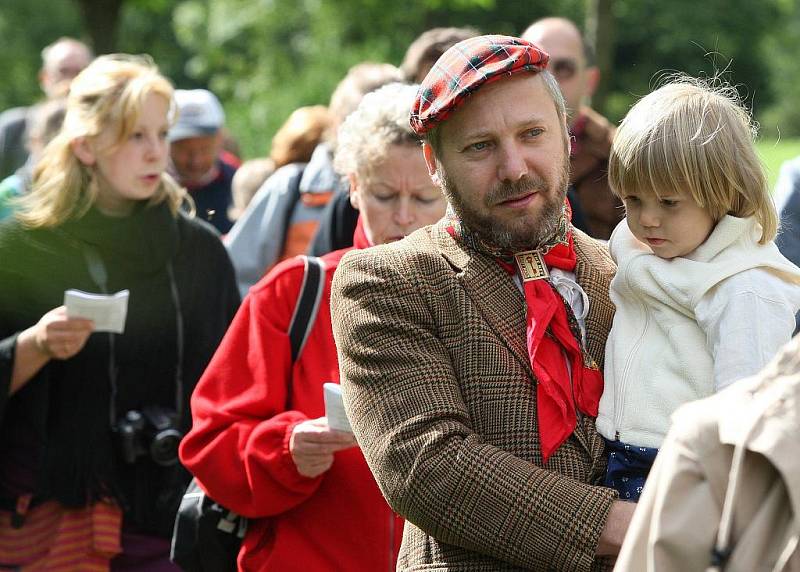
<point x="563" y="69"/>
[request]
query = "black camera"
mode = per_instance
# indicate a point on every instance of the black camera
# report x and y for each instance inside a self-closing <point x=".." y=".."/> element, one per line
<point x="151" y="431"/>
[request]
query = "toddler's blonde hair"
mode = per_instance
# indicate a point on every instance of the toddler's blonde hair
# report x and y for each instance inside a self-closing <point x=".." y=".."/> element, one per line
<point x="696" y="138"/>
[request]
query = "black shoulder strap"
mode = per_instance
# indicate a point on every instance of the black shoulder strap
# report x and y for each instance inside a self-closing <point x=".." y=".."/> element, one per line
<point x="305" y="312"/>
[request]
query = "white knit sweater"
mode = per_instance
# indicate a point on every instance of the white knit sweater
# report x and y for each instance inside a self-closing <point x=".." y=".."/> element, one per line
<point x="686" y="327"/>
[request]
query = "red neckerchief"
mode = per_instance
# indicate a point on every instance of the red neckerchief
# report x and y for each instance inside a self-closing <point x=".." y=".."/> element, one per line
<point x="360" y="239"/>
<point x="552" y="338"/>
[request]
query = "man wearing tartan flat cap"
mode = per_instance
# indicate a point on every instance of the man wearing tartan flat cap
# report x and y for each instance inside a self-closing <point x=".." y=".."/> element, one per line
<point x="471" y="351"/>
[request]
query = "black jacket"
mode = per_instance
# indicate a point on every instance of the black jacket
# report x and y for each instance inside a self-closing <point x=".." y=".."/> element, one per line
<point x="56" y="436"/>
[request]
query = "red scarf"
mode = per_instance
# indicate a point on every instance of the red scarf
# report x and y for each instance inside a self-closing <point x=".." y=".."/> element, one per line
<point x="552" y="341"/>
<point x="360" y="240"/>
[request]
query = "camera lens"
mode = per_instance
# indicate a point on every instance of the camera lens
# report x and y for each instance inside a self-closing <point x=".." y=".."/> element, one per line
<point x="164" y="447"/>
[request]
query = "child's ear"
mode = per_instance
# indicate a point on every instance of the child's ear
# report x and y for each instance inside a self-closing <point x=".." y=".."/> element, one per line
<point x="84" y="151"/>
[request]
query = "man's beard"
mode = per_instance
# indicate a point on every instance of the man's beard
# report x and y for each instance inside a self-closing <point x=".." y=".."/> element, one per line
<point x="521" y="233"/>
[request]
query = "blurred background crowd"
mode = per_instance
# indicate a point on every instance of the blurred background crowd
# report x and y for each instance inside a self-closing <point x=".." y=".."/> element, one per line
<point x="265" y="58"/>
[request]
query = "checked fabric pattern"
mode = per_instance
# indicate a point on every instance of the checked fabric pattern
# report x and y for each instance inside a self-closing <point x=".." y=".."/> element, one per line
<point x="439" y="388"/>
<point x="464" y="68"/>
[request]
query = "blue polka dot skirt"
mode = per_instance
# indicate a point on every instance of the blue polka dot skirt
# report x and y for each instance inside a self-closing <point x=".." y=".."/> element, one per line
<point x="628" y="467"/>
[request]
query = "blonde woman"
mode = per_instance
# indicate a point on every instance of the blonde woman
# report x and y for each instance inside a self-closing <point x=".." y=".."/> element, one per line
<point x="89" y="420"/>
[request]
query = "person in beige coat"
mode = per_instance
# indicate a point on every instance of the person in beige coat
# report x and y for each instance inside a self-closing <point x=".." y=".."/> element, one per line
<point x="477" y="428"/>
<point x="724" y="493"/>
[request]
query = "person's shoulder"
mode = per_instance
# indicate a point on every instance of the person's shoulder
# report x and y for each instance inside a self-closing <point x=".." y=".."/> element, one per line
<point x="791" y="167"/>
<point x="284" y="174"/>
<point x="695" y="425"/>
<point x="14" y="115"/>
<point x="282" y="181"/>
<point x="199" y="233"/>
<point x="288" y="275"/>
<point x="195" y="226"/>
<point x="764" y="282"/>
<point x="12" y="232"/>
<point x="592" y="251"/>
<point x="419" y="245"/>
<point x="331" y="260"/>
<point x="228" y="170"/>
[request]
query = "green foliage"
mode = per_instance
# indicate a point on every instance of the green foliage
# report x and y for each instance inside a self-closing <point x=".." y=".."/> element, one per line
<point x="783" y="72"/>
<point x="711" y="38"/>
<point x="146" y="28"/>
<point x="25" y="32"/>
<point x="264" y="58"/>
<point x="774" y="152"/>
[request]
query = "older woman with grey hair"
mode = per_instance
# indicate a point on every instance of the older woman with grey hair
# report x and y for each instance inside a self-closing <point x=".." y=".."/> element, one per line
<point x="261" y="444"/>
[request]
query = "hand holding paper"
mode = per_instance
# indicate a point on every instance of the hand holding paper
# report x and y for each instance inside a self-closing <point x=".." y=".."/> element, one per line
<point x="59" y="336"/>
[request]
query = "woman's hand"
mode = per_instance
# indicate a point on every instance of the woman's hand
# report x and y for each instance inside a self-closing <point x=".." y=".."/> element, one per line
<point x="58" y="336"/>
<point x="313" y="444"/>
<point x="54" y="336"/>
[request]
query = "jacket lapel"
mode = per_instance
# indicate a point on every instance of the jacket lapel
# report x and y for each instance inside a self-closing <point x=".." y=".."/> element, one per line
<point x="491" y="289"/>
<point x="594" y="271"/>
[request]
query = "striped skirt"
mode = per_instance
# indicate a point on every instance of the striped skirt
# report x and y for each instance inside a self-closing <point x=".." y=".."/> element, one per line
<point x="57" y="539"/>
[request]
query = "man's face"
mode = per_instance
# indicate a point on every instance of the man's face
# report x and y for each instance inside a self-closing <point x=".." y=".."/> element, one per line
<point x="567" y="63"/>
<point x="504" y="164"/>
<point x="64" y="61"/>
<point x="194" y="157"/>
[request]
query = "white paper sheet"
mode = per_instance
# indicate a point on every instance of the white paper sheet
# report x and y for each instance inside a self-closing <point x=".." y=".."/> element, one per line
<point x="334" y="407"/>
<point x="107" y="310"/>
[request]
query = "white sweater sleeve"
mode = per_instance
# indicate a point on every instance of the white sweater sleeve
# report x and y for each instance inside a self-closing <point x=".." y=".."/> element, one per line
<point x="747" y="318"/>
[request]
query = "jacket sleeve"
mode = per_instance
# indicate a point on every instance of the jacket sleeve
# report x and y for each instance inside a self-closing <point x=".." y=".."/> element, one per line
<point x="747" y="319"/>
<point x="238" y="447"/>
<point x="256" y="240"/>
<point x="675" y="524"/>
<point x="405" y="402"/>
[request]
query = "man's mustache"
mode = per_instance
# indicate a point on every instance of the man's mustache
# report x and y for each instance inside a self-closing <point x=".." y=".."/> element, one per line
<point x="507" y="190"/>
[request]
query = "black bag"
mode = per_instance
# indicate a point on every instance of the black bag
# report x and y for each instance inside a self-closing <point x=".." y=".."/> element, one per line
<point x="207" y="536"/>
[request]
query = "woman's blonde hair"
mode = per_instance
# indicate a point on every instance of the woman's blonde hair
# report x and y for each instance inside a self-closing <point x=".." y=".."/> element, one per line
<point x="108" y="94"/>
<point x="697" y="138"/>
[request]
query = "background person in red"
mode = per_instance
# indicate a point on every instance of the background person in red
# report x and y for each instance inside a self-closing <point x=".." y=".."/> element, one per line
<point x="260" y="444"/>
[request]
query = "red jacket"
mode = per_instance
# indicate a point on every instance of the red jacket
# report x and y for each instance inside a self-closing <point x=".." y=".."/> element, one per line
<point x="244" y="409"/>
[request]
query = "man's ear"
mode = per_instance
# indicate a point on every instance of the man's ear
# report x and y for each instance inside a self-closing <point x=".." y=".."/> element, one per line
<point x="352" y="178"/>
<point x="592" y="80"/>
<point x="82" y="148"/>
<point x="44" y="80"/>
<point x="430" y="162"/>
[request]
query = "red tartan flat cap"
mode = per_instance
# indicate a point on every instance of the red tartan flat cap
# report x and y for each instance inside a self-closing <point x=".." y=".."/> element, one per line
<point x="464" y="68"/>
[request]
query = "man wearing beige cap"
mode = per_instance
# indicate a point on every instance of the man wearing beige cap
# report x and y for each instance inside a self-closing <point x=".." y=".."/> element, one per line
<point x="471" y="351"/>
<point x="195" y="152"/>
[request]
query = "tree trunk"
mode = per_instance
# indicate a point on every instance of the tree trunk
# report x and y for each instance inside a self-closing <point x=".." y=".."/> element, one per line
<point x="600" y="35"/>
<point x="101" y="18"/>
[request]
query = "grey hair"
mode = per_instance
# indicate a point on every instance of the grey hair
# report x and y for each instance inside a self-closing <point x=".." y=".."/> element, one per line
<point x="379" y="121"/>
<point x="434" y="136"/>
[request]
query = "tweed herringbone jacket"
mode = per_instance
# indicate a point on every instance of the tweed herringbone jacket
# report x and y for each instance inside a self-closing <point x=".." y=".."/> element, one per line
<point x="439" y="388"/>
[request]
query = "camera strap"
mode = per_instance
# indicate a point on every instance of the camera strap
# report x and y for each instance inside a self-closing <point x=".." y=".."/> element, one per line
<point x="99" y="275"/>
